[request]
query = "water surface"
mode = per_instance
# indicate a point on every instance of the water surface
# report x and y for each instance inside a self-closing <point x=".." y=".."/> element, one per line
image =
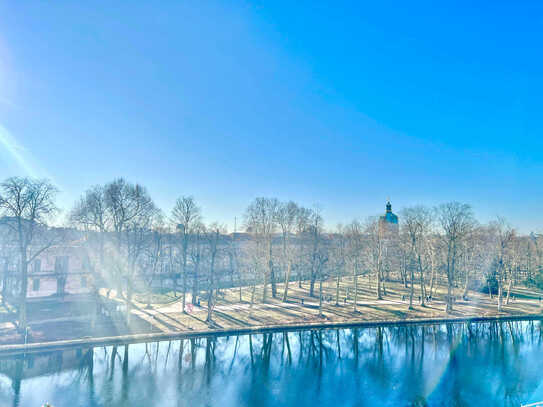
<point x="470" y="364"/>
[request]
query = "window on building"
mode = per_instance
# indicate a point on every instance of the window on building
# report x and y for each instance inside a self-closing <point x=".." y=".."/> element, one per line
<point x="84" y="282"/>
<point x="36" y="284"/>
<point x="37" y="266"/>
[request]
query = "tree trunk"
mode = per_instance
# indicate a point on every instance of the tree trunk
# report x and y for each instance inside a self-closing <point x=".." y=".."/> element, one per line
<point x="209" y="304"/>
<point x="320" y="296"/>
<point x="265" y="287"/>
<point x="338" y="280"/>
<point x="432" y="279"/>
<point x="451" y="258"/>
<point x="466" y="286"/>
<point x="412" y="286"/>
<point x="240" y="284"/>
<point x="24" y="289"/>
<point x="355" y="276"/>
<point x="312" y="285"/>
<point x="379" y="295"/>
<point x="271" y="271"/>
<point x="403" y="272"/>
<point x="500" y="295"/>
<point x="195" y="286"/>
<point x="184" y="288"/>
<point x="253" y="291"/>
<point x="287" y="278"/>
<point x="422" y="285"/>
<point x="449" y="306"/>
<point x="509" y="287"/>
<point x="210" y="296"/>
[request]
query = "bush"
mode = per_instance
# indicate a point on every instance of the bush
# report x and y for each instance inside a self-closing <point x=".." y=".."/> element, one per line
<point x="538" y="280"/>
<point x="490" y="282"/>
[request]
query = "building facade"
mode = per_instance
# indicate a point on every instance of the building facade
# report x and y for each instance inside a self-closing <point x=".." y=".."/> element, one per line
<point x="57" y="272"/>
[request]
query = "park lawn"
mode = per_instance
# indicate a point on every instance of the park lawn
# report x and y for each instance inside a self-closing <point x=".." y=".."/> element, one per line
<point x="300" y="310"/>
<point x="231" y="313"/>
<point x="158" y="297"/>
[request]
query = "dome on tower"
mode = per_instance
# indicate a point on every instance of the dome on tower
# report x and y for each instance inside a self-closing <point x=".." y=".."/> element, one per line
<point x="389" y="217"/>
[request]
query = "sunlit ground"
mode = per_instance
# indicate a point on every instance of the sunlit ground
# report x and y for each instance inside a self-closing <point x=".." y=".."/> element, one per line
<point x="230" y="313"/>
<point x="69" y="320"/>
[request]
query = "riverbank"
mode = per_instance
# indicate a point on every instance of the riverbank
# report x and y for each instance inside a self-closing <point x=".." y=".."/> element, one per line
<point x="232" y="316"/>
<point x="164" y="336"/>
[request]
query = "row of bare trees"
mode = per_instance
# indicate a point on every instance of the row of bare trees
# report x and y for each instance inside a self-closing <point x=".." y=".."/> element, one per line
<point x="133" y="244"/>
<point x="148" y="244"/>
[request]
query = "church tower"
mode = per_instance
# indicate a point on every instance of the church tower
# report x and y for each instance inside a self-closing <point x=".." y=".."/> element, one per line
<point x="388" y="223"/>
<point x="390" y="235"/>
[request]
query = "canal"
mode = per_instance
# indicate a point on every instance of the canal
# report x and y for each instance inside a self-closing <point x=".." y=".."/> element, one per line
<point x="455" y="364"/>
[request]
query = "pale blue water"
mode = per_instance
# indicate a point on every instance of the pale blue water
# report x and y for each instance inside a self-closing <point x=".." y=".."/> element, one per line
<point x="480" y="364"/>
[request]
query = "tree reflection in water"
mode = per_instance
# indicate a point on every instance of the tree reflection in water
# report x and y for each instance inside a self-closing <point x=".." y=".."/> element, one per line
<point x="448" y="364"/>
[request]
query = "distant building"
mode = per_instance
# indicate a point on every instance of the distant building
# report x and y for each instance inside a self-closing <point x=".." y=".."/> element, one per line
<point x="390" y="233"/>
<point x="388" y="223"/>
<point x="59" y="271"/>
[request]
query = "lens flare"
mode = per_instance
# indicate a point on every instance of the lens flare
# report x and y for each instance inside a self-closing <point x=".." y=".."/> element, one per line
<point x="15" y="150"/>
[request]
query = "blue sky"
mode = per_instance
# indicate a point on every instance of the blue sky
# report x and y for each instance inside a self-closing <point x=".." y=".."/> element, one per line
<point x="339" y="104"/>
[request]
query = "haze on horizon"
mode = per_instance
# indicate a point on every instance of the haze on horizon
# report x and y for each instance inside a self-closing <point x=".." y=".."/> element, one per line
<point x="338" y="106"/>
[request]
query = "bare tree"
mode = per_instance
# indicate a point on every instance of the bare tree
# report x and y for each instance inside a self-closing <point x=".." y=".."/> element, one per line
<point x="124" y="202"/>
<point x="314" y="231"/>
<point x="213" y="239"/>
<point x="514" y="269"/>
<point x="321" y="260"/>
<point x="233" y="252"/>
<point x="374" y="252"/>
<point x="133" y="214"/>
<point x="197" y="256"/>
<point x="417" y="222"/>
<point x="476" y="256"/>
<point x="139" y="234"/>
<point x="456" y="221"/>
<point x="253" y="263"/>
<point x="155" y="257"/>
<point x="187" y="216"/>
<point x="433" y="251"/>
<point x="261" y="220"/>
<point x="504" y="239"/>
<point x="302" y="226"/>
<point x="91" y="213"/>
<point x="286" y="218"/>
<point x="355" y="233"/>
<point x="27" y="205"/>
<point x="339" y="257"/>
